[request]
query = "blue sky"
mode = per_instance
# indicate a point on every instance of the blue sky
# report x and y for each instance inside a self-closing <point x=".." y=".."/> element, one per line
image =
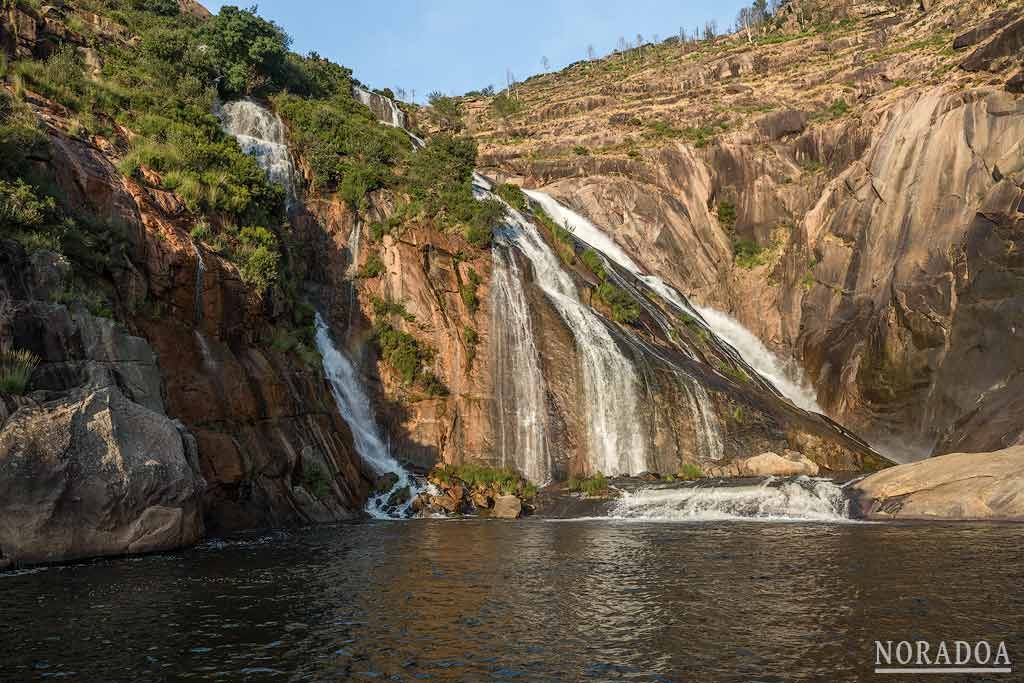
<point x="460" y="45"/>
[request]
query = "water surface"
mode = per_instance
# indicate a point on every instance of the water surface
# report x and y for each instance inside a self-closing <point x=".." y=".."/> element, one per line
<point x="530" y="600"/>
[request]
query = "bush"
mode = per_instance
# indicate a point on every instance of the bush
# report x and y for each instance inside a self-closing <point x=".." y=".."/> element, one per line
<point x="447" y="111"/>
<point x="726" y="214"/>
<point x="623" y="308"/>
<point x="373" y="267"/>
<point x="408" y="357"/>
<point x="580" y="150"/>
<point x="314" y="480"/>
<point x="596" y="485"/>
<point x="513" y="195"/>
<point x="690" y="472"/>
<point x="504" y="106"/>
<point x="471" y="338"/>
<point x="16" y="368"/>
<point x="749" y="254"/>
<point x="384" y="308"/>
<point x="594" y="262"/>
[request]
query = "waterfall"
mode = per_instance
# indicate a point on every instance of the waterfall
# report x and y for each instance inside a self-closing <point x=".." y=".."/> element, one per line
<point x="383" y="107"/>
<point x="519" y="390"/>
<point x="355" y="409"/>
<point x="261" y="134"/>
<point x="197" y="302"/>
<point x="705" y="422"/>
<point x="757" y="355"/>
<point x="610" y="387"/>
<point x="801" y="499"/>
<point x="749" y="347"/>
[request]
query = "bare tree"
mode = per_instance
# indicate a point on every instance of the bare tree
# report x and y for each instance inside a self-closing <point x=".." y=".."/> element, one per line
<point x="744" y="22"/>
<point x="710" y="29"/>
<point x="654" y="40"/>
<point x="682" y="35"/>
<point x="590" y="52"/>
<point x="412" y="97"/>
<point x="400" y="93"/>
<point x="622" y="45"/>
<point x="545" y="63"/>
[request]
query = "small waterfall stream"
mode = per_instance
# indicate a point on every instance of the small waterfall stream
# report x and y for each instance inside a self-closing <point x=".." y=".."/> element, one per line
<point x="197" y="302"/>
<point x="261" y="134"/>
<point x="384" y="108"/>
<point x="355" y="409"/>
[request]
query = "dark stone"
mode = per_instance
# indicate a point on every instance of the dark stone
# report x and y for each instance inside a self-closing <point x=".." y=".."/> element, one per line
<point x="1008" y="43"/>
<point x="385" y="483"/>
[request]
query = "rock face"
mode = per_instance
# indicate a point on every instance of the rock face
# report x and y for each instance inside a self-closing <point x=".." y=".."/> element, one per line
<point x="886" y="218"/>
<point x="958" y="486"/>
<point x="95" y="473"/>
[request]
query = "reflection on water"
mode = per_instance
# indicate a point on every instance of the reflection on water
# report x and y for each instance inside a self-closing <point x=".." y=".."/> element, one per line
<point x="533" y="600"/>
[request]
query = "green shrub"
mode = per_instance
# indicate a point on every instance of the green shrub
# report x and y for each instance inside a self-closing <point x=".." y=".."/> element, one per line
<point x="471" y="338"/>
<point x="200" y="231"/>
<point x="504" y="106"/>
<point x="513" y="195"/>
<point x="564" y="244"/>
<point x="594" y="262"/>
<point x="596" y="485"/>
<point x="690" y="472"/>
<point x="447" y="110"/>
<point x="16" y="368"/>
<point x="315" y="480"/>
<point x="749" y="254"/>
<point x="373" y="267"/>
<point x="624" y="309"/>
<point x="384" y="308"/>
<point x="408" y="357"/>
<point x="726" y="214"/>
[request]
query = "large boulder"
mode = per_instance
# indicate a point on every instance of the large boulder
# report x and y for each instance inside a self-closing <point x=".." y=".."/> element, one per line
<point x="774" y="465"/>
<point x="94" y="473"/>
<point x="507" y="507"/>
<point x="957" y="486"/>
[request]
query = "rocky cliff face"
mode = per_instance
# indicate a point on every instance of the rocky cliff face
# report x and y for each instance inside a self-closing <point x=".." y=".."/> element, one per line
<point x="201" y="395"/>
<point x="852" y="194"/>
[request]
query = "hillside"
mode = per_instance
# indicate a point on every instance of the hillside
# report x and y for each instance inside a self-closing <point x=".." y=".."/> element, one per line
<point x="846" y="183"/>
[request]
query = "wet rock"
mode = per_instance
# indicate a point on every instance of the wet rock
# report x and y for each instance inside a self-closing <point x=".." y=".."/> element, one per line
<point x="94" y="474"/>
<point x="507" y="507"/>
<point x="447" y="504"/>
<point x="956" y="486"/>
<point x="385" y="483"/>
<point x="400" y="497"/>
<point x="481" y="500"/>
<point x="649" y="476"/>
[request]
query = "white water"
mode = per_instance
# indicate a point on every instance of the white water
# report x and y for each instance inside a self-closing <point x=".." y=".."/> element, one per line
<point x="750" y="348"/>
<point x="261" y="134"/>
<point x="610" y="387"/>
<point x="519" y="391"/>
<point x="757" y="356"/>
<point x="802" y="499"/>
<point x="354" y="406"/>
<point x="389" y="114"/>
<point x="197" y="302"/>
<point x="705" y="421"/>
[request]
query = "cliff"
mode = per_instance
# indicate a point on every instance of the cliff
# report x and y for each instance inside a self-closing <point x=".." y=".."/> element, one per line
<point x="848" y="186"/>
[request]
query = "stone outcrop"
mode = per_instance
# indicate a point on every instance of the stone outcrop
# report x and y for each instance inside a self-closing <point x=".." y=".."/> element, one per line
<point x="957" y="486"/>
<point x="790" y="464"/>
<point x="94" y="473"/>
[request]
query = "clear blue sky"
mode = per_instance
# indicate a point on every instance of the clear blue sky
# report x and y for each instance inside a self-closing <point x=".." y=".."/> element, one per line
<point x="459" y="45"/>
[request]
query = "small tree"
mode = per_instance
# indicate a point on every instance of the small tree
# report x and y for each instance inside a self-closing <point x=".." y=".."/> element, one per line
<point x="447" y="109"/>
<point x="590" y="52"/>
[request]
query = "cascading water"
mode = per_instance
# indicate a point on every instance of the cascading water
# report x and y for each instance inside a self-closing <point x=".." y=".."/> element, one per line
<point x="354" y="406"/>
<point x="802" y="499"/>
<point x="197" y="303"/>
<point x="757" y="355"/>
<point x="519" y="392"/>
<point x="384" y="107"/>
<point x="261" y="134"/>
<point x="750" y="349"/>
<point x="616" y="434"/>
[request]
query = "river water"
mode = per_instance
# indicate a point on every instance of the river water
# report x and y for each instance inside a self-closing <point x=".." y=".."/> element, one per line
<point x="477" y="600"/>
